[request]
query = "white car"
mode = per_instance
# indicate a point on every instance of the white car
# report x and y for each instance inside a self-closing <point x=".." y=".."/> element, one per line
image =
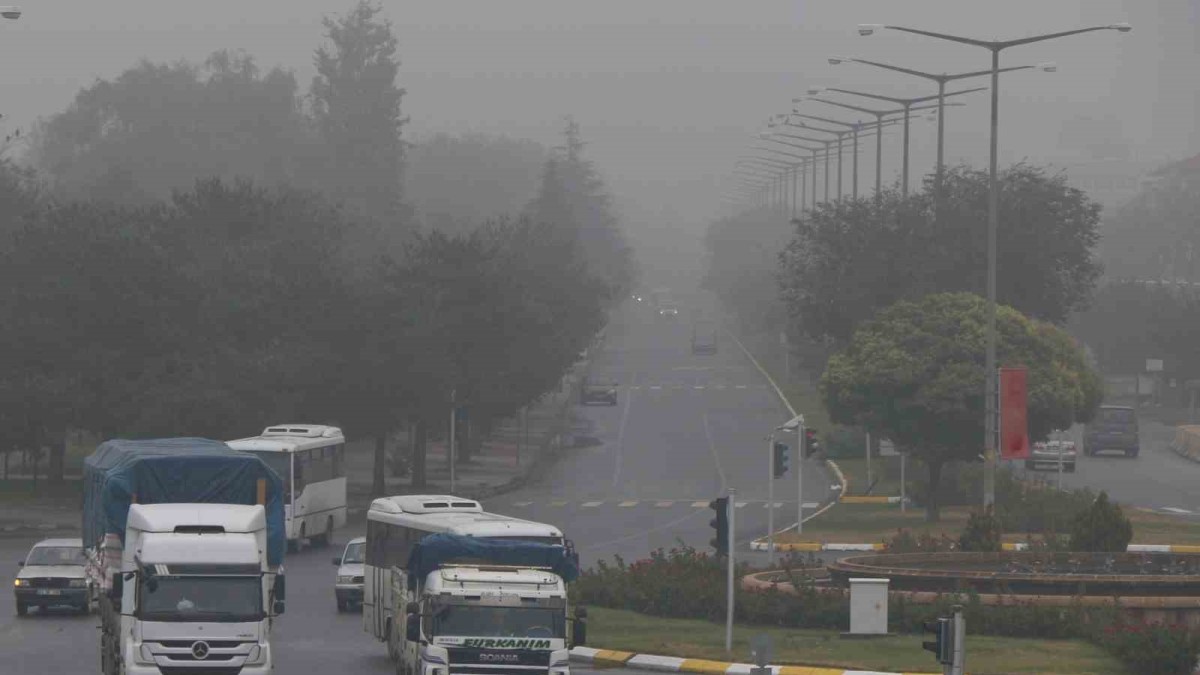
<point x="349" y="585"/>
<point x="52" y="575"/>
<point x="1046" y="455"/>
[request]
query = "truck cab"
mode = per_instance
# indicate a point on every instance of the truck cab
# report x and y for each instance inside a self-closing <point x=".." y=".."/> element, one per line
<point x="195" y="591"/>
<point x="484" y="616"/>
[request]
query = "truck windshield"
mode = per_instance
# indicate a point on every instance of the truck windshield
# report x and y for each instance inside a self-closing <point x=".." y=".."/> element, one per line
<point x="200" y="598"/>
<point x="483" y="621"/>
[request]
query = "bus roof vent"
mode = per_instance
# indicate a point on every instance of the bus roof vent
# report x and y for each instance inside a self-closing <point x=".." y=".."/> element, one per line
<point x="436" y="504"/>
<point x="303" y="431"/>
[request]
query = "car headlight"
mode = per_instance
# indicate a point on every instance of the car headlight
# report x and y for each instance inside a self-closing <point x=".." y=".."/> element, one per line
<point x="20" y="582"/>
<point x="345" y="579"/>
<point x="77" y="583"/>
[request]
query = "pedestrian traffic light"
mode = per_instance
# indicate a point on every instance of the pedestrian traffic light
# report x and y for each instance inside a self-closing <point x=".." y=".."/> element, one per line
<point x="721" y="524"/>
<point x="811" y="444"/>
<point x="943" y="646"/>
<point x="779" y="460"/>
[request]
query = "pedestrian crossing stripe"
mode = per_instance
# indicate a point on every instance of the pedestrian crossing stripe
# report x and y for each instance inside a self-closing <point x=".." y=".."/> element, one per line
<point x="588" y="505"/>
<point x="558" y="503"/>
<point x="628" y="504"/>
<point x="699" y="505"/>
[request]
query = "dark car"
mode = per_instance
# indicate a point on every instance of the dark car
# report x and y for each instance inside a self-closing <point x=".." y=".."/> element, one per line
<point x="598" y="391"/>
<point x="1115" y="428"/>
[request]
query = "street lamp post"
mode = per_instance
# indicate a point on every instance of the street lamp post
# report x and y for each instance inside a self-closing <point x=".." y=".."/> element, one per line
<point x="906" y="105"/>
<point x="995" y="46"/>
<point x="774" y="138"/>
<point x="855" y="127"/>
<point x="941" y="80"/>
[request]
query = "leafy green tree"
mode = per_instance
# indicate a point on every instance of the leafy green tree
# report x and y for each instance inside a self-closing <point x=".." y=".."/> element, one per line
<point x="572" y="196"/>
<point x="457" y="183"/>
<point x="914" y="374"/>
<point x="156" y="128"/>
<point x="1102" y="527"/>
<point x="850" y="258"/>
<point x="356" y="105"/>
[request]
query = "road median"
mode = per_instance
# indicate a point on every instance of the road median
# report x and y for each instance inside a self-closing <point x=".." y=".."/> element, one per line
<point x="675" y="664"/>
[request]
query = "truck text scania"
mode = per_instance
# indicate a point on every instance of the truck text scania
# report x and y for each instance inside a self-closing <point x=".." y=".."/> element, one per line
<point x="185" y="544"/>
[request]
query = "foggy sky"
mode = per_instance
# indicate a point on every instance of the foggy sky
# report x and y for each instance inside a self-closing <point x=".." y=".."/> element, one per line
<point x="668" y="92"/>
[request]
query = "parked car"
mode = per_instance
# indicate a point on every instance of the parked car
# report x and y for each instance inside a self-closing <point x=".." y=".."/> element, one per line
<point x="1115" y="428"/>
<point x="348" y="588"/>
<point x="52" y="575"/>
<point x="1045" y="455"/>
<point x="598" y="391"/>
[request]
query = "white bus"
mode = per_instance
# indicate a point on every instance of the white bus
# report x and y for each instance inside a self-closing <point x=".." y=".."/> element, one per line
<point x="311" y="461"/>
<point x="396" y="524"/>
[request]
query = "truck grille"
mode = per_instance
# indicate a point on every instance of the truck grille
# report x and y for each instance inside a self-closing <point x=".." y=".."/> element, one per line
<point x="185" y="670"/>
<point x="187" y="644"/>
<point x="170" y="670"/>
<point x="481" y="669"/>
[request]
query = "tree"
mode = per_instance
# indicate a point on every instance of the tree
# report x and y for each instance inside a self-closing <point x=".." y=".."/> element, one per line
<point x="1102" y="527"/>
<point x="457" y="183"/>
<point x="743" y="256"/>
<point x="850" y="258"/>
<point x="156" y="128"/>
<point x="356" y="104"/>
<point x="572" y="196"/>
<point x="914" y="374"/>
<point x="1156" y="235"/>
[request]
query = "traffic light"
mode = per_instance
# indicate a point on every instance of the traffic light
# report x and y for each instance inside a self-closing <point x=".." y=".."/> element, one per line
<point x="721" y="524"/>
<point x="779" y="462"/>
<point x="943" y="646"/>
<point x="811" y="444"/>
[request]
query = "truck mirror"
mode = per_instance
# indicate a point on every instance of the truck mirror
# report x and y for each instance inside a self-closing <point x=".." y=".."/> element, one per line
<point x="581" y="612"/>
<point x="278" y="607"/>
<point x="412" y="608"/>
<point x="337" y="561"/>
<point x="412" y="628"/>
<point x="580" y="637"/>
<point x="280" y="588"/>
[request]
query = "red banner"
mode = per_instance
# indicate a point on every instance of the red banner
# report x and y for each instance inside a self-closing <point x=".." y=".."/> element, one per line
<point x="1014" y="425"/>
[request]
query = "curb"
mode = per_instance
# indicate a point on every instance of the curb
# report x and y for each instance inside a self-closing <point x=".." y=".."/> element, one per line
<point x="810" y="546"/>
<point x="675" y="664"/>
<point x="868" y="499"/>
<point x="1187" y="442"/>
<point x="829" y="463"/>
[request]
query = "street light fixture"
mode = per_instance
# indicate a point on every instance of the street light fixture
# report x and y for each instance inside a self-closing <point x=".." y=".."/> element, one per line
<point x="990" y="393"/>
<point x="941" y="80"/>
<point x="854" y="128"/>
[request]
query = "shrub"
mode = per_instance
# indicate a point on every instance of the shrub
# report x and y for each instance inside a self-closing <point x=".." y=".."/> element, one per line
<point x="1101" y="527"/>
<point x="1155" y="649"/>
<point x="905" y="542"/>
<point x="982" y="532"/>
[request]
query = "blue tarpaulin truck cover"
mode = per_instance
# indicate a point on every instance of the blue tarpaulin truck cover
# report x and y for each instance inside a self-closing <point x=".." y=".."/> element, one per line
<point x="175" y="471"/>
<point x="435" y="550"/>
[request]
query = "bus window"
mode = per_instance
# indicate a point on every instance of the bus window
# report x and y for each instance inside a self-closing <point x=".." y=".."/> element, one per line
<point x="300" y="464"/>
<point x="339" y="458"/>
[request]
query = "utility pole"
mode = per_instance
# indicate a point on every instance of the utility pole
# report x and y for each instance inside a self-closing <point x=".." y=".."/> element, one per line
<point x="731" y="505"/>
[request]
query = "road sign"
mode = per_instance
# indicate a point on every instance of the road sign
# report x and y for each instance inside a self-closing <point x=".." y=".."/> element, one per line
<point x="1154" y="365"/>
<point x="887" y="448"/>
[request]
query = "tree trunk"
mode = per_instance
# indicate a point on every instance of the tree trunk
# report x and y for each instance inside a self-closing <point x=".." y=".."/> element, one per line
<point x="420" y="436"/>
<point x="932" y="515"/>
<point x="378" y="484"/>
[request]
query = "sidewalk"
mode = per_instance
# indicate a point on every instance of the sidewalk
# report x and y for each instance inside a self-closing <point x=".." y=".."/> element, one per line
<point x="506" y="460"/>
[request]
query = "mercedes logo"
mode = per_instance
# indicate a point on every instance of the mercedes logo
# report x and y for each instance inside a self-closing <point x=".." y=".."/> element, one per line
<point x="200" y="650"/>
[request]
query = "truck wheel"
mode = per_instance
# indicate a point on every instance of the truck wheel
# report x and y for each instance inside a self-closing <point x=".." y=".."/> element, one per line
<point x="22" y="608"/>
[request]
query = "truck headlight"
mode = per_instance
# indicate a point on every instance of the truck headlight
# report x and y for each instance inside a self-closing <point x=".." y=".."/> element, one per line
<point x="345" y="579"/>
<point x="255" y="655"/>
<point x="144" y="655"/>
<point x="77" y="583"/>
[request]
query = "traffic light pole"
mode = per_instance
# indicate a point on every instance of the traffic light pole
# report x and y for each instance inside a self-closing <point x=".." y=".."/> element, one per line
<point x="771" y="499"/>
<point x="800" y="455"/>
<point x="731" y="507"/>
<point x="958" y="664"/>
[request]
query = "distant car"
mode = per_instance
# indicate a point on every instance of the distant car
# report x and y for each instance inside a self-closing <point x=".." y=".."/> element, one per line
<point x="348" y="588"/>
<point x="52" y="575"/>
<point x="1046" y="455"/>
<point x="598" y="392"/>
<point x="1115" y="428"/>
<point x="669" y="311"/>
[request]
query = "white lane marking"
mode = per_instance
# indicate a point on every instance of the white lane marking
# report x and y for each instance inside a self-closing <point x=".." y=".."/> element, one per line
<point x="627" y="504"/>
<point x="699" y="505"/>
<point x="1172" y="509"/>
<point x="712" y="449"/>
<point x="810" y="505"/>
<point x="616" y="479"/>
<point x="740" y="386"/>
<point x="656" y="386"/>
<point x="591" y="505"/>
<point x="522" y="503"/>
<point x="635" y="387"/>
<point x="778" y="505"/>
<point x="741" y="504"/>
<point x="663" y="505"/>
<point x="698" y="386"/>
<point x="558" y="502"/>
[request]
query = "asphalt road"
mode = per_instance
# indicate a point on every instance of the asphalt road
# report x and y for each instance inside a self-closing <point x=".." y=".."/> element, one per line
<point x="1157" y="479"/>
<point x="685" y="428"/>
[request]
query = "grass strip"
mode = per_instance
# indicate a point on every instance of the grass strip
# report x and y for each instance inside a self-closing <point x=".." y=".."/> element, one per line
<point x="630" y="631"/>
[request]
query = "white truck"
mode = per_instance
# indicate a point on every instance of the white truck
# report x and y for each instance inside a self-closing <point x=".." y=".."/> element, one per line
<point x="185" y="542"/>
<point x="487" y="606"/>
